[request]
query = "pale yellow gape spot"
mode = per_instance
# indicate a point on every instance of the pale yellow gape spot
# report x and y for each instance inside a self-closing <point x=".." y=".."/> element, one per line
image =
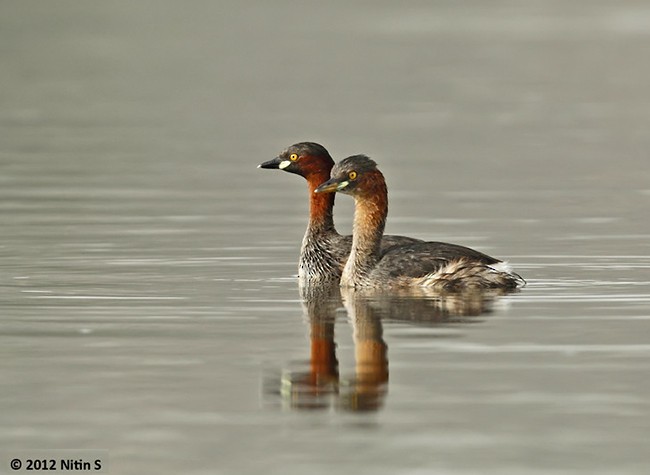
<point x="285" y="163"/>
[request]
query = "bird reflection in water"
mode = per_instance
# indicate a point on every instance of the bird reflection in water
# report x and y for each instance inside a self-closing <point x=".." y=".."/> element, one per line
<point x="317" y="387"/>
<point x="320" y="386"/>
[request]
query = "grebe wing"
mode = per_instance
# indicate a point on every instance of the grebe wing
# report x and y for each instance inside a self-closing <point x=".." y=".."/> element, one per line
<point x="420" y="259"/>
<point x="388" y="241"/>
<point x="342" y="243"/>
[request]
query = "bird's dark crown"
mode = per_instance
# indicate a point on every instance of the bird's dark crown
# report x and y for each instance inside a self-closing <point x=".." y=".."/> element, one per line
<point x="303" y="149"/>
<point x="356" y="163"/>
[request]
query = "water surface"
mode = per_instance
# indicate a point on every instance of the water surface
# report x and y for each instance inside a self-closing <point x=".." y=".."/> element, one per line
<point x="148" y="293"/>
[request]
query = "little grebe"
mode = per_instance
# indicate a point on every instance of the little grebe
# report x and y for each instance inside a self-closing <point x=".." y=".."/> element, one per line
<point x="432" y="264"/>
<point x="324" y="251"/>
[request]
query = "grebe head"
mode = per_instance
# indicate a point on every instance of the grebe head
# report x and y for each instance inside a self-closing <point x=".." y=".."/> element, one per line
<point x="356" y="175"/>
<point x="304" y="159"/>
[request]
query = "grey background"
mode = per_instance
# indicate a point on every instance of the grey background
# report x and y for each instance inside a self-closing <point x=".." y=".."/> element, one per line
<point x="148" y="291"/>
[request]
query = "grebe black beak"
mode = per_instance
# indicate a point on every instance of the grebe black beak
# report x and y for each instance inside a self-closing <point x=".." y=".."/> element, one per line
<point x="276" y="163"/>
<point x="332" y="185"/>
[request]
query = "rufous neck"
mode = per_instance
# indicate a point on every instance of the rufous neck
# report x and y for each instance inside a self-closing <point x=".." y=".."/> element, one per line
<point x="369" y="221"/>
<point x="321" y="205"/>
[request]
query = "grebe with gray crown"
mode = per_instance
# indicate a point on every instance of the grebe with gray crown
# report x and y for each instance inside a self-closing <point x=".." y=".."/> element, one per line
<point x="438" y="265"/>
<point x="324" y="251"/>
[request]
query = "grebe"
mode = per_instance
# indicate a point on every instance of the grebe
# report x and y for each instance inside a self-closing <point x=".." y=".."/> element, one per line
<point x="447" y="267"/>
<point x="324" y="251"/>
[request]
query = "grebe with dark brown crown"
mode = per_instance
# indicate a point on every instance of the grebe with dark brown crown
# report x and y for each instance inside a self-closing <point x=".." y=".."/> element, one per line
<point x="439" y="265"/>
<point x="324" y="251"/>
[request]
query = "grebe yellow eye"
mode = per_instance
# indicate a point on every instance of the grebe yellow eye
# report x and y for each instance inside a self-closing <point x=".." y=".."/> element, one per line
<point x="293" y="157"/>
<point x="352" y="175"/>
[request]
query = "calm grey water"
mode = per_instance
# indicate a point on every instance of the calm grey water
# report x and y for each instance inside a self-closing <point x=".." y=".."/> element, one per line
<point x="148" y="298"/>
